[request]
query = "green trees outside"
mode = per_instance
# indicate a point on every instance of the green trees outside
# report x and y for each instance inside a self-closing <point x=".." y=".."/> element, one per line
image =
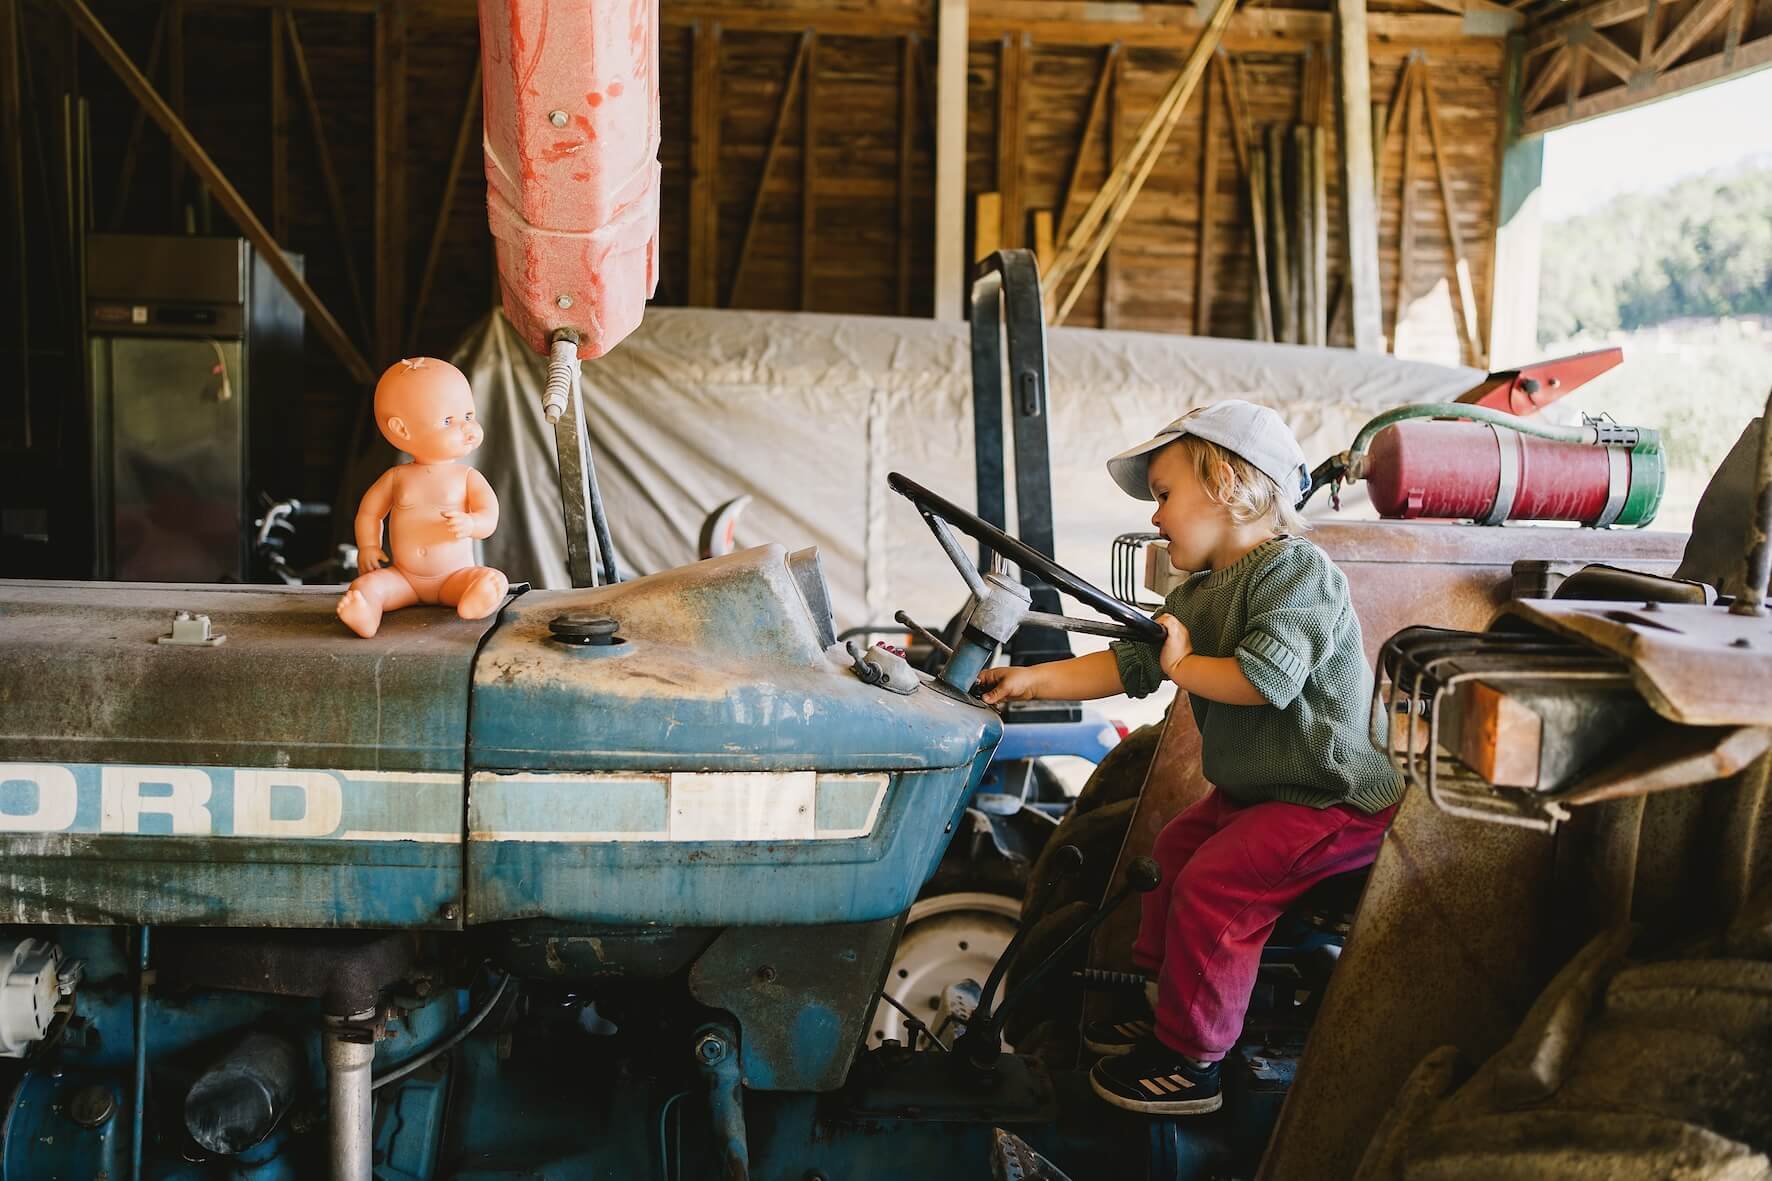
<point x="1699" y="249"/>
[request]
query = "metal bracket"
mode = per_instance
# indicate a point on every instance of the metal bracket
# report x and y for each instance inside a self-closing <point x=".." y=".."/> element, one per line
<point x="191" y="631"/>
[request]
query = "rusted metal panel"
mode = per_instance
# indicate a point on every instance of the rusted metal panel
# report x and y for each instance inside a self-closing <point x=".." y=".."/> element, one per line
<point x="291" y="775"/>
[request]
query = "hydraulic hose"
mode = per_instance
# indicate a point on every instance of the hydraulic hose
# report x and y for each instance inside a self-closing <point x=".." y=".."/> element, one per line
<point x="1590" y="434"/>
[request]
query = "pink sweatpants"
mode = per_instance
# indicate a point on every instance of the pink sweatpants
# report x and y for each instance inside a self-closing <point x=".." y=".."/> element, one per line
<point x="1229" y="872"/>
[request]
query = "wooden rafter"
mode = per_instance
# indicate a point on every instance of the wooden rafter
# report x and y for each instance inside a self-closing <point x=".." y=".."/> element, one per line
<point x="1399" y="105"/>
<point x="777" y="136"/>
<point x="1651" y="33"/>
<point x="1476" y="349"/>
<point x="1605" y="51"/>
<point x="126" y="174"/>
<point x="1548" y="76"/>
<point x="1740" y="14"/>
<point x="464" y="129"/>
<point x="1406" y="219"/>
<point x="1097" y="110"/>
<point x="1748" y="56"/>
<point x="704" y="155"/>
<point x="1695" y="24"/>
<point x="335" y="200"/>
<point x="319" y="317"/>
<point x="1208" y="199"/>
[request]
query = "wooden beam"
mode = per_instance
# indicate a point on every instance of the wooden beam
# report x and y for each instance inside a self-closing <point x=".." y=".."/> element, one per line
<point x="950" y="159"/>
<point x="1596" y="15"/>
<point x="1406" y="219"/>
<point x="1740" y="13"/>
<point x="1208" y="212"/>
<point x="1318" y="143"/>
<point x="1304" y="235"/>
<point x="1105" y="214"/>
<point x="390" y="176"/>
<point x="888" y="18"/>
<point x="1605" y="51"/>
<point x="279" y="84"/>
<point x="1262" y="291"/>
<point x="229" y="198"/>
<point x="126" y="173"/>
<point x="808" y="174"/>
<point x="465" y="126"/>
<point x="1702" y="17"/>
<point x="1549" y="75"/>
<point x="175" y="99"/>
<point x="335" y="200"/>
<point x="1044" y="246"/>
<point x="1748" y="57"/>
<point x="777" y="137"/>
<point x="1011" y="97"/>
<point x="1359" y="198"/>
<point x="1280" y="239"/>
<point x="1113" y="272"/>
<point x="704" y="164"/>
<point x="1576" y="77"/>
<point x="987" y="225"/>
<point x="1177" y="26"/>
<point x="1651" y="34"/>
<point x="1477" y="349"/>
<point x="907" y="140"/>
<point x="1233" y="102"/>
<point x="1104" y="78"/>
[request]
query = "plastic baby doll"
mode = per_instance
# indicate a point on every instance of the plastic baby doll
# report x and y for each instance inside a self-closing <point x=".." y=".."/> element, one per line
<point x="435" y="507"/>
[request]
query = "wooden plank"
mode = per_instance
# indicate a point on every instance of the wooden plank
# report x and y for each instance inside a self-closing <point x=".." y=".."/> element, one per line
<point x="1597" y="15"/>
<point x="126" y="172"/>
<point x="872" y="19"/>
<point x="704" y="165"/>
<point x="1145" y="151"/>
<point x="279" y="84"/>
<point x="1406" y="219"/>
<point x="1399" y="108"/>
<point x="808" y="173"/>
<point x="1703" y="17"/>
<point x="1208" y="213"/>
<point x="1651" y="34"/>
<point x="1044" y="246"/>
<point x="1113" y="274"/>
<point x="1715" y="68"/>
<point x="335" y="200"/>
<point x="1104" y="78"/>
<point x="1358" y="176"/>
<point x="1605" y="51"/>
<point x="1476" y="348"/>
<point x="175" y="99"/>
<point x="907" y="141"/>
<point x="1280" y="239"/>
<point x="1576" y="77"/>
<point x="1740" y="13"/>
<point x="1233" y="102"/>
<point x="950" y="160"/>
<point x="1011" y="100"/>
<point x="390" y="176"/>
<point x="1262" y="291"/>
<point x="1319" y="201"/>
<point x="465" y="127"/>
<point x="1548" y="76"/>
<point x="778" y="136"/>
<point x="319" y="318"/>
<point x="1177" y="26"/>
<point x="1304" y="235"/>
<point x="987" y="225"/>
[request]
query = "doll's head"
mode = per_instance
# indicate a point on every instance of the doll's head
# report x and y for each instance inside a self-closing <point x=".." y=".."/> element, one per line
<point x="425" y="408"/>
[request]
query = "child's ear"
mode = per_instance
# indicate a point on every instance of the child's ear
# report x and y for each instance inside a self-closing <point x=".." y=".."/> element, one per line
<point x="397" y="428"/>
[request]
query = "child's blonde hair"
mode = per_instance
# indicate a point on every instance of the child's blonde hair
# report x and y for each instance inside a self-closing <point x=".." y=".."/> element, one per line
<point x="1246" y="492"/>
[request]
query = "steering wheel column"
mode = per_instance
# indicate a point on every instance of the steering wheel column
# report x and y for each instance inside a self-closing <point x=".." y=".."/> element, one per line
<point x="999" y="605"/>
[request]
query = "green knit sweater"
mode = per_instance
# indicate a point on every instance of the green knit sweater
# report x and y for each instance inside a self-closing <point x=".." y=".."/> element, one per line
<point x="1284" y="612"/>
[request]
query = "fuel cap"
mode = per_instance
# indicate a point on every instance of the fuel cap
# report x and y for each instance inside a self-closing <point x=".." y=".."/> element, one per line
<point x="584" y="630"/>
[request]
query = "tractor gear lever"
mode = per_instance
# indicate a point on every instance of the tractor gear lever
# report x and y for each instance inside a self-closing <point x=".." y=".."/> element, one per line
<point x="1065" y="862"/>
<point x="984" y="1037"/>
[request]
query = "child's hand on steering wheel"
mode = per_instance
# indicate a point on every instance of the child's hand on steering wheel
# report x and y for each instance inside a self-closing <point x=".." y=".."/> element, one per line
<point x="1008" y="684"/>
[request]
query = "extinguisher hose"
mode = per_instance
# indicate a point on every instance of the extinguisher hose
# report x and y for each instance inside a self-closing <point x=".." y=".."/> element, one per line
<point x="1591" y="434"/>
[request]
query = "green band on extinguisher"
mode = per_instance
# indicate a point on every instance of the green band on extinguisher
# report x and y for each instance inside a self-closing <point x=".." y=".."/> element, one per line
<point x="1648" y="480"/>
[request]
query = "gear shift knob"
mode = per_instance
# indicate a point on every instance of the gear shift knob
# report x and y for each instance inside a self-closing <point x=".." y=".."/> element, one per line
<point x="1143" y="875"/>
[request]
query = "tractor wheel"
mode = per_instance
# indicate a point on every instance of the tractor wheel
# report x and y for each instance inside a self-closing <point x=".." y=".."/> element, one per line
<point x="1120" y="774"/>
<point x="947" y="938"/>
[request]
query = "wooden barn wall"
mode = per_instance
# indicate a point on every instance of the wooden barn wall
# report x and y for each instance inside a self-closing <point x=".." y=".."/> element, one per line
<point x="863" y="243"/>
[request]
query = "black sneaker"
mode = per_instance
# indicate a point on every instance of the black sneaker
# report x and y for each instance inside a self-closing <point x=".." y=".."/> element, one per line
<point x="1109" y="1038"/>
<point x="1154" y="1080"/>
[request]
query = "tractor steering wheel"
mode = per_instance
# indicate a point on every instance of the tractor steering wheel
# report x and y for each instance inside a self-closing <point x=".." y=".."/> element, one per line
<point x="1142" y="626"/>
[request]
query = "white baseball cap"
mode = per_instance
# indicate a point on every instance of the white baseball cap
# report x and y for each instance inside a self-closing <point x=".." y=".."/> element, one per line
<point x="1251" y="432"/>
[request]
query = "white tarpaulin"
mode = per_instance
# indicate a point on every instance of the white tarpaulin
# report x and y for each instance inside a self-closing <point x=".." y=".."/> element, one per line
<point x="808" y="413"/>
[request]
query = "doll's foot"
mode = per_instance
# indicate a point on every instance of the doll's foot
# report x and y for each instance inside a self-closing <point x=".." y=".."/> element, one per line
<point x="359" y="613"/>
<point x="482" y="595"/>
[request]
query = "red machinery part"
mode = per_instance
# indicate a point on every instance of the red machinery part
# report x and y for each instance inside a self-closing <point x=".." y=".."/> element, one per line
<point x="572" y="174"/>
<point x="1454" y="471"/>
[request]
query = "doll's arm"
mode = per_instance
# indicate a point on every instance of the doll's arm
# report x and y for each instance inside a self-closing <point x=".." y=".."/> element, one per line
<point x="371" y="511"/>
<point x="481" y="517"/>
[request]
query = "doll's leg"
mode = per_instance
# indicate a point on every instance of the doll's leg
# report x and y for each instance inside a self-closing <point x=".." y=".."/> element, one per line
<point x="371" y="595"/>
<point x="474" y="591"/>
